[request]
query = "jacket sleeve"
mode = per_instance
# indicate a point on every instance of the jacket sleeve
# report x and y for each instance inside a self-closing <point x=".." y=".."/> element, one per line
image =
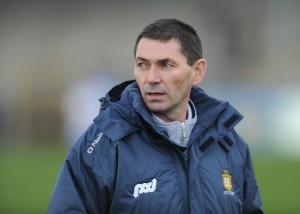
<point x="84" y="184"/>
<point x="251" y="201"/>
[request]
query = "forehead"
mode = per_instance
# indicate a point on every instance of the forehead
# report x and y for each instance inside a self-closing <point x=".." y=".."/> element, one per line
<point x="155" y="48"/>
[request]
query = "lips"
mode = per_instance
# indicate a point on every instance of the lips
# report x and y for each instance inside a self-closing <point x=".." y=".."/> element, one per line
<point x="154" y="95"/>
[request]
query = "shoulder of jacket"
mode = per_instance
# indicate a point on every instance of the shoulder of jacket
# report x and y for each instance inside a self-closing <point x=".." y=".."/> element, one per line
<point x="230" y="117"/>
<point x="223" y="130"/>
<point x="91" y="145"/>
<point x="116" y="124"/>
<point x="241" y="145"/>
<point x="93" y="155"/>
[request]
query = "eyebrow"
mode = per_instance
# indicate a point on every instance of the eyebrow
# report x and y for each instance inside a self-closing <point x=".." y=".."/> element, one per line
<point x="141" y="59"/>
<point x="160" y="61"/>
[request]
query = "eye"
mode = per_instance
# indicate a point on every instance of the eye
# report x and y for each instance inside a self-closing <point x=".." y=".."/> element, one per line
<point x="141" y="65"/>
<point x="167" y="65"/>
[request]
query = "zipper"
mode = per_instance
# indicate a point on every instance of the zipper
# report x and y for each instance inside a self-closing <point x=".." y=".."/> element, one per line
<point x="185" y="156"/>
<point x="183" y="132"/>
<point x="181" y="159"/>
<point x="183" y="172"/>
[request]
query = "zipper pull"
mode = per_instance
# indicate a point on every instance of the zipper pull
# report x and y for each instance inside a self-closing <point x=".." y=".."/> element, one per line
<point x="183" y="130"/>
<point x="185" y="155"/>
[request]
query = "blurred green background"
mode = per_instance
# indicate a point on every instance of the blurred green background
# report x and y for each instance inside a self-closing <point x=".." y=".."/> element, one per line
<point x="57" y="58"/>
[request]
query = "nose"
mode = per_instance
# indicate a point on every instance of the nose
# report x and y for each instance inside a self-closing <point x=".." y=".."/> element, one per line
<point x="153" y="76"/>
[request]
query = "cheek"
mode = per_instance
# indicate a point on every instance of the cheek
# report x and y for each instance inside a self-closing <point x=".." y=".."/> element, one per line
<point x="182" y="85"/>
<point x="138" y="78"/>
<point x="178" y="84"/>
<point x="181" y="82"/>
<point x="135" y="74"/>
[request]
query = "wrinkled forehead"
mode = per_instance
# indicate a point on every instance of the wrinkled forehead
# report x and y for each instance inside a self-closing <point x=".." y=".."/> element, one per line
<point x="149" y="48"/>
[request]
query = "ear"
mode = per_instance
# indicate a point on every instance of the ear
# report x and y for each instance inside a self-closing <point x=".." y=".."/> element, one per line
<point x="199" y="69"/>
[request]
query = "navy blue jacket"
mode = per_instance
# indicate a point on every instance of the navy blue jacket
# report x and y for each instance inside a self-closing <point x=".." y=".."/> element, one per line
<point x="125" y="163"/>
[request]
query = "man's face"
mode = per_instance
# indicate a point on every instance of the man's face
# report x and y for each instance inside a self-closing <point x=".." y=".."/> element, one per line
<point x="164" y="78"/>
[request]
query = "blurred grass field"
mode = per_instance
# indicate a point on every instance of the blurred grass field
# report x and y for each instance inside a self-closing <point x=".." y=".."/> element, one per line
<point x="27" y="177"/>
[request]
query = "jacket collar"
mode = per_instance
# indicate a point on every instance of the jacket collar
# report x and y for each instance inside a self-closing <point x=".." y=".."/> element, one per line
<point x="126" y="111"/>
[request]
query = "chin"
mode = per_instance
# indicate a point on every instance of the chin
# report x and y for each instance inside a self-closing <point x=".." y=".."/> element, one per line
<point x="155" y="109"/>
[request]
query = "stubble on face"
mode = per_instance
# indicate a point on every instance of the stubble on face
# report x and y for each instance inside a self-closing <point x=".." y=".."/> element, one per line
<point x="164" y="90"/>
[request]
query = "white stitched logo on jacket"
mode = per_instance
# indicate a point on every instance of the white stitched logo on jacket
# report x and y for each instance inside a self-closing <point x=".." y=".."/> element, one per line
<point x="145" y="188"/>
<point x="95" y="142"/>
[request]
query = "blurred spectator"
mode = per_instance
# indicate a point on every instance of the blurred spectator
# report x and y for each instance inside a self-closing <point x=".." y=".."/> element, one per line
<point x="79" y="102"/>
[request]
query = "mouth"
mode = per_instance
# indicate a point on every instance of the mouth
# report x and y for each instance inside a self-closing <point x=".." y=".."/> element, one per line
<point x="154" y="95"/>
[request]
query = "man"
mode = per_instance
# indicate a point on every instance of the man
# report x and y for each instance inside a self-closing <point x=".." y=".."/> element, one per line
<point x="160" y="144"/>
